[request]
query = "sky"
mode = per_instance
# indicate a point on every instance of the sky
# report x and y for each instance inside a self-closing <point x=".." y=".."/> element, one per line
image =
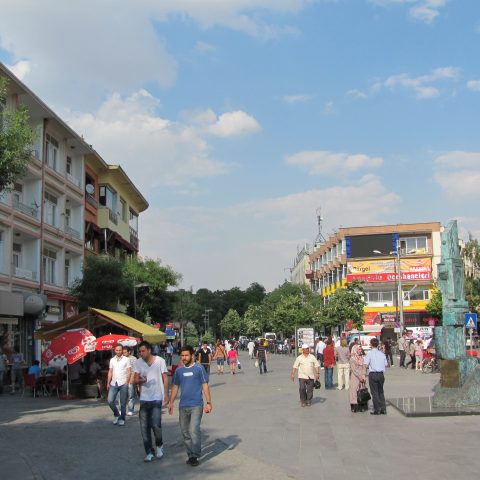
<point x="237" y="119"/>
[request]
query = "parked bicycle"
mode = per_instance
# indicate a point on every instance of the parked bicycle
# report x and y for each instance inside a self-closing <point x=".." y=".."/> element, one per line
<point x="430" y="365"/>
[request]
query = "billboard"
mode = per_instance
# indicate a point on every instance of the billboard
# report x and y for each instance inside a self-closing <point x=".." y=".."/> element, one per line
<point x="384" y="270"/>
<point x="359" y="246"/>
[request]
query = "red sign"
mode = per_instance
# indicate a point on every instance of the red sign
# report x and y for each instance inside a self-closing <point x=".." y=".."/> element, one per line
<point x="390" y="277"/>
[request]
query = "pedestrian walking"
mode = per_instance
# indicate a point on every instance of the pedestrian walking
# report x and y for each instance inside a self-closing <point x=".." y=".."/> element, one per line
<point x="411" y="353"/>
<point x="388" y="351"/>
<point x="376" y="361"/>
<point x="169" y="354"/>
<point x="232" y="360"/>
<point x="357" y="376"/>
<point x="151" y="373"/>
<point x="418" y="354"/>
<point x="127" y="352"/>
<point x="262" y="357"/>
<point x="328" y="363"/>
<point x="3" y="368"/>
<point x="119" y="373"/>
<point x="251" y="348"/>
<point x="308" y="369"/>
<point x="402" y="345"/>
<point x="220" y="356"/>
<point x="204" y="357"/>
<point x="191" y="379"/>
<point x="17" y="362"/>
<point x="342" y="357"/>
<point x="319" y="348"/>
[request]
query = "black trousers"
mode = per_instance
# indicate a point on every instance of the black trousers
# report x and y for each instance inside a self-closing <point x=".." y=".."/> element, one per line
<point x="402" y="358"/>
<point x="305" y="387"/>
<point x="376" y="381"/>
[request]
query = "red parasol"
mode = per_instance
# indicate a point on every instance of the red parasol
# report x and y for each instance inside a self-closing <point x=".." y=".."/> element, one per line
<point x="71" y="345"/>
<point x="109" y="342"/>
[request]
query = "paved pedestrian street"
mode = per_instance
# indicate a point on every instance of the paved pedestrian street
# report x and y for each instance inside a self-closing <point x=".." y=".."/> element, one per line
<point x="257" y="430"/>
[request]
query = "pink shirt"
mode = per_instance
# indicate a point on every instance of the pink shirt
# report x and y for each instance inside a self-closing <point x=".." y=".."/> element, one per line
<point x="232" y="354"/>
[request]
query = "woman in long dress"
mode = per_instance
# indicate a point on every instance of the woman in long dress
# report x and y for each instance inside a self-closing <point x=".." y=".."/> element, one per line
<point x="357" y="375"/>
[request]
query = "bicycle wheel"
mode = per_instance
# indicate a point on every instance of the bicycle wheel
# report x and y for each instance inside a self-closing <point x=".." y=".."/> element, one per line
<point x="427" y="367"/>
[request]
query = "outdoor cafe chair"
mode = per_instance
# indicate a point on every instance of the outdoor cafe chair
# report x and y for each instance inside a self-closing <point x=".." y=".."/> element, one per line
<point x="29" y="381"/>
<point x="53" y="382"/>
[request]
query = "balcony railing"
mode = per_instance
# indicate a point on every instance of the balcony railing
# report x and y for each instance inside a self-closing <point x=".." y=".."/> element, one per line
<point x="134" y="241"/>
<point x="26" y="209"/>
<point x="91" y="200"/>
<point x="113" y="217"/>
<point x="71" y="231"/>
<point x="73" y="180"/>
<point x="23" y="273"/>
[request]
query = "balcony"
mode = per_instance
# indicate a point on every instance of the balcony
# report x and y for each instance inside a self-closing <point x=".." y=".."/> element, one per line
<point x="23" y="273"/>
<point x="91" y="200"/>
<point x="73" y="180"/>
<point x="26" y="209"/>
<point x="113" y="217"/>
<point x="74" y="233"/>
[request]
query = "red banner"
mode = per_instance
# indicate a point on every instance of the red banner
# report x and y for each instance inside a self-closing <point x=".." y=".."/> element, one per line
<point x="390" y="277"/>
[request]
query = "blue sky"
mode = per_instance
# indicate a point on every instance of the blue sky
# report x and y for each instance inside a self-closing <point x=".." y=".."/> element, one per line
<point x="238" y="118"/>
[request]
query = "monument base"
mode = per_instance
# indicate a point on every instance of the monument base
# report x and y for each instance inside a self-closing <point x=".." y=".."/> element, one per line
<point x="459" y="384"/>
<point x="423" y="407"/>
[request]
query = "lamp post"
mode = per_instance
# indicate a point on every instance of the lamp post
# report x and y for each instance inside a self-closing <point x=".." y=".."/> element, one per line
<point x="398" y="280"/>
<point x="138" y="285"/>
<point x="206" y="319"/>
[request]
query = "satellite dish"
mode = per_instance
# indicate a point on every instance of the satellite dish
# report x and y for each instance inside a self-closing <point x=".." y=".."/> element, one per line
<point x="89" y="188"/>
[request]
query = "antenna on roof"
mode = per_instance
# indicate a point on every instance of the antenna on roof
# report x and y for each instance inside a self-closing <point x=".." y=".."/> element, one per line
<point x="319" y="239"/>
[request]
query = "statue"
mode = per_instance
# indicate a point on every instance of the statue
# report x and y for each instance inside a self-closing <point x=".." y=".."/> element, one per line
<point x="459" y="376"/>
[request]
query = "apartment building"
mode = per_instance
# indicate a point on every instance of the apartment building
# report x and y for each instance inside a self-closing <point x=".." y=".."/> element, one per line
<point x="112" y="208"/>
<point x="301" y="263"/>
<point x="369" y="255"/>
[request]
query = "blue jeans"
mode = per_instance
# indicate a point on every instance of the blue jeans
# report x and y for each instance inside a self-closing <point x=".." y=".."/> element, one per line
<point x="131" y="398"/>
<point x="328" y="377"/>
<point x="112" y="399"/>
<point x="151" y="419"/>
<point x="190" y="418"/>
<point x="262" y="361"/>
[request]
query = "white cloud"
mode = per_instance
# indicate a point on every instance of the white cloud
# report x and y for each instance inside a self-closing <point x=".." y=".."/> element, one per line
<point x="329" y="108"/>
<point x="474" y="85"/>
<point x="329" y="163"/>
<point x="458" y="174"/>
<point x="297" y="98"/>
<point x="422" y="10"/>
<point x="204" y="48"/>
<point x="356" y="94"/>
<point x="21" y="69"/>
<point x="266" y="231"/>
<point x="153" y="150"/>
<point x="422" y="85"/>
<point x="232" y="124"/>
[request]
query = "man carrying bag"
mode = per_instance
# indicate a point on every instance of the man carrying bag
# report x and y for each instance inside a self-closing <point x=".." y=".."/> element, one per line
<point x="308" y="369"/>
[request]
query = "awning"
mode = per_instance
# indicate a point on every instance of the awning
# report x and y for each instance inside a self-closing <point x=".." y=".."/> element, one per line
<point x="94" y="318"/>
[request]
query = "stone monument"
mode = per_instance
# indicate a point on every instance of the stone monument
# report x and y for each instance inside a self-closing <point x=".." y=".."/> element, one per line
<point x="459" y="374"/>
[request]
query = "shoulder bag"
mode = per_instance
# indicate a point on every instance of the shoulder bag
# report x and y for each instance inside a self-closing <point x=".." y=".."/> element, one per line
<point x="363" y="395"/>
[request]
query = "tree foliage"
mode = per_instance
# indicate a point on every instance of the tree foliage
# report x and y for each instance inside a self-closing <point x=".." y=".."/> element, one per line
<point x="435" y="305"/>
<point x="16" y="140"/>
<point x="346" y="304"/>
<point x="232" y="324"/>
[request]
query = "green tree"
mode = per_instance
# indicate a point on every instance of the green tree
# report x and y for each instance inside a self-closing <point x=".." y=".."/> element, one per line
<point x="346" y="304"/>
<point x="472" y="293"/>
<point x="435" y="305"/>
<point x="16" y="140"/>
<point x="102" y="283"/>
<point x="232" y="324"/>
<point x="153" y="299"/>
<point x="191" y="335"/>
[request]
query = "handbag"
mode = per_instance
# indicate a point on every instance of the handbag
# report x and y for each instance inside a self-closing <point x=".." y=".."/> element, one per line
<point x="363" y="395"/>
<point x="239" y="365"/>
<point x="256" y="363"/>
<point x="317" y="384"/>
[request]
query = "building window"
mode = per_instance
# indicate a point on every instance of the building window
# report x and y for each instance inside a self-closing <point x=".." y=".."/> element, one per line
<point x="413" y="245"/>
<point x="67" y="272"/>
<point x="123" y="206"/>
<point x="417" y="294"/>
<point x="52" y="152"/>
<point x="50" y="212"/>
<point x="49" y="263"/>
<point x="133" y="222"/>
<point x="17" y="255"/>
<point x="69" y="165"/>
<point x="108" y="198"/>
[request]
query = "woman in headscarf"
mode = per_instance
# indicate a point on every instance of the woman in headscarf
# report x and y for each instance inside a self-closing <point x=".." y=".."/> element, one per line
<point x="357" y="375"/>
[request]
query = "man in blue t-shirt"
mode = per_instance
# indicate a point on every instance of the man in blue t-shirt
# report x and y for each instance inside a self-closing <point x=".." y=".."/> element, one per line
<point x="192" y="380"/>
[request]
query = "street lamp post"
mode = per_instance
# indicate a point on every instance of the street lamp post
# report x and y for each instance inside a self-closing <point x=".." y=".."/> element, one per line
<point x="138" y="285"/>
<point x="206" y="319"/>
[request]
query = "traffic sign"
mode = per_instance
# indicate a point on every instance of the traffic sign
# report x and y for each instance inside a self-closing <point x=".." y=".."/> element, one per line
<point x="470" y="320"/>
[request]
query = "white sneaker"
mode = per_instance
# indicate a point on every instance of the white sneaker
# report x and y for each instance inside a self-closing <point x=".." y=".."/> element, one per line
<point x="115" y="420"/>
<point x="159" y="452"/>
<point x="121" y="422"/>
<point x="149" y="458"/>
<point x="129" y="414"/>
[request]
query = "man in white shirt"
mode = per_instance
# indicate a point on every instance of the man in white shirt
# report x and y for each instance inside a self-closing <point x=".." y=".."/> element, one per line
<point x="150" y="372"/>
<point x="127" y="352"/>
<point x="319" y="348"/>
<point x="117" y="383"/>
<point x="308" y="371"/>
